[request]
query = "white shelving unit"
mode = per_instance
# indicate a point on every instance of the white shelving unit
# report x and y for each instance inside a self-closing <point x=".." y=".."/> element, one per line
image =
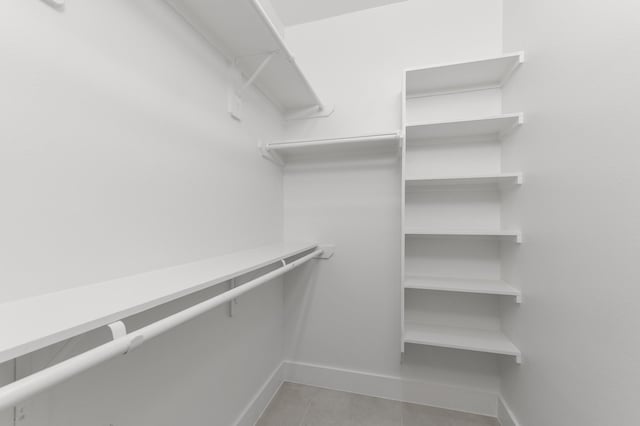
<point x="244" y="33"/>
<point x="442" y="79"/>
<point x="462" y="285"/>
<point x="498" y="178"/>
<point x="496" y="126"/>
<point x="464" y="233"/>
<point x="78" y="310"/>
<point x="469" y="339"/>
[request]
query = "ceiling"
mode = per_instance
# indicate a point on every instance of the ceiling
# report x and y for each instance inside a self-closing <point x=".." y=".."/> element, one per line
<point x="294" y="12"/>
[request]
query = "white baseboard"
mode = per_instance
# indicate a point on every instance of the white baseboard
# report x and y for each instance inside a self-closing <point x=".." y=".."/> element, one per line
<point x="391" y="387"/>
<point x="261" y="399"/>
<point x="381" y="386"/>
<point x="505" y="415"/>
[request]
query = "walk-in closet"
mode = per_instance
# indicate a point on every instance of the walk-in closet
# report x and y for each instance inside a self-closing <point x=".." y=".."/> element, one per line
<point x="319" y="213"/>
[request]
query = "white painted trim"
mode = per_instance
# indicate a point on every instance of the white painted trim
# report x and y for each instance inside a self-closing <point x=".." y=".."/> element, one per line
<point x="392" y="387"/>
<point x="382" y="386"/>
<point x="505" y="415"/>
<point x="261" y="399"/>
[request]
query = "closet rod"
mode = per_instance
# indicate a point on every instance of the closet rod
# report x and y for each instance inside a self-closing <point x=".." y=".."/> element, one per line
<point x="315" y="142"/>
<point x="24" y="388"/>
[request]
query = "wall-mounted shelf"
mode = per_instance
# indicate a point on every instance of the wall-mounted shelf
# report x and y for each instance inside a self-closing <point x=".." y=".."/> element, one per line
<point x="463" y="285"/>
<point x="496" y="126"/>
<point x="463" y="233"/>
<point x="499" y="178"/>
<point x="384" y="143"/>
<point x="71" y="312"/>
<point x="480" y="74"/>
<point x="487" y="341"/>
<point x="244" y="33"/>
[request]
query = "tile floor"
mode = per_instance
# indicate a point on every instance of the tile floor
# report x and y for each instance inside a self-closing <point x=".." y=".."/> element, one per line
<point x="300" y="405"/>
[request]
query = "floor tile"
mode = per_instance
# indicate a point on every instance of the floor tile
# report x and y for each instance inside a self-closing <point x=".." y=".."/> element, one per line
<point x="422" y="415"/>
<point x="334" y="408"/>
<point x="300" y="405"/>
<point x="288" y="406"/>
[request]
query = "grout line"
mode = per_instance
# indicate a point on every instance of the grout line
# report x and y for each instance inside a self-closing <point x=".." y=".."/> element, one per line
<point x="306" y="412"/>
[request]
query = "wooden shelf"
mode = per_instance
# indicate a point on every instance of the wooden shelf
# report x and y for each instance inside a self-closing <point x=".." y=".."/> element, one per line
<point x="463" y="285"/>
<point x="71" y="312"/>
<point x="487" y="341"/>
<point x="499" y="178"/>
<point x="442" y="79"/>
<point x="464" y="233"/>
<point x="241" y="30"/>
<point x="496" y="126"/>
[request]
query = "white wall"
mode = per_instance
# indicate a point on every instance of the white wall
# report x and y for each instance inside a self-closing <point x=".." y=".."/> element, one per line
<point x="118" y="156"/>
<point x="579" y="210"/>
<point x="351" y="315"/>
<point x="296" y="12"/>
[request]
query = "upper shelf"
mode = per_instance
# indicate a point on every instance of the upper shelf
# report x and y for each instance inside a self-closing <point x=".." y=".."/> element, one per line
<point x="442" y="79"/>
<point x="384" y="143"/>
<point x="71" y="312"/>
<point x="244" y="33"/>
<point x="498" y="178"/>
<point x="495" y="126"/>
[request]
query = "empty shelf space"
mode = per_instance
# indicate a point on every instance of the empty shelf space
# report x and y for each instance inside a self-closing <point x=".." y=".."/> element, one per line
<point x="442" y="79"/>
<point x="464" y="233"/>
<point x="498" y="178"/>
<point x="495" y="126"/>
<point x="488" y="341"/>
<point x="462" y="285"/>
<point x="91" y="306"/>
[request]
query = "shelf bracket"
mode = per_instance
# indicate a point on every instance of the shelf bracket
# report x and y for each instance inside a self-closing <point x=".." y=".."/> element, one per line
<point x="56" y="4"/>
<point x="257" y="72"/>
<point x="64" y="351"/>
<point x="235" y="97"/>
<point x="328" y="250"/>
<point x="270" y="155"/>
<point x="232" y="285"/>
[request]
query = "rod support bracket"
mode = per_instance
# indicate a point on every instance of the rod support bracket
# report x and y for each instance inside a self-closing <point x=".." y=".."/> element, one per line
<point x="118" y="330"/>
<point x="270" y="155"/>
<point x="328" y="250"/>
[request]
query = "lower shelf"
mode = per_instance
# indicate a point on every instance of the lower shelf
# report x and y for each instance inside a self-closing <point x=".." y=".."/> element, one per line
<point x="462" y="285"/>
<point x="469" y="339"/>
<point x="464" y="233"/>
<point x="500" y="178"/>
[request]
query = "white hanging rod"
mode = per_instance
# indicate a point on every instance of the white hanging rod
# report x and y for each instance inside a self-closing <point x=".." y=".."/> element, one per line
<point x="351" y="139"/>
<point x="123" y="343"/>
